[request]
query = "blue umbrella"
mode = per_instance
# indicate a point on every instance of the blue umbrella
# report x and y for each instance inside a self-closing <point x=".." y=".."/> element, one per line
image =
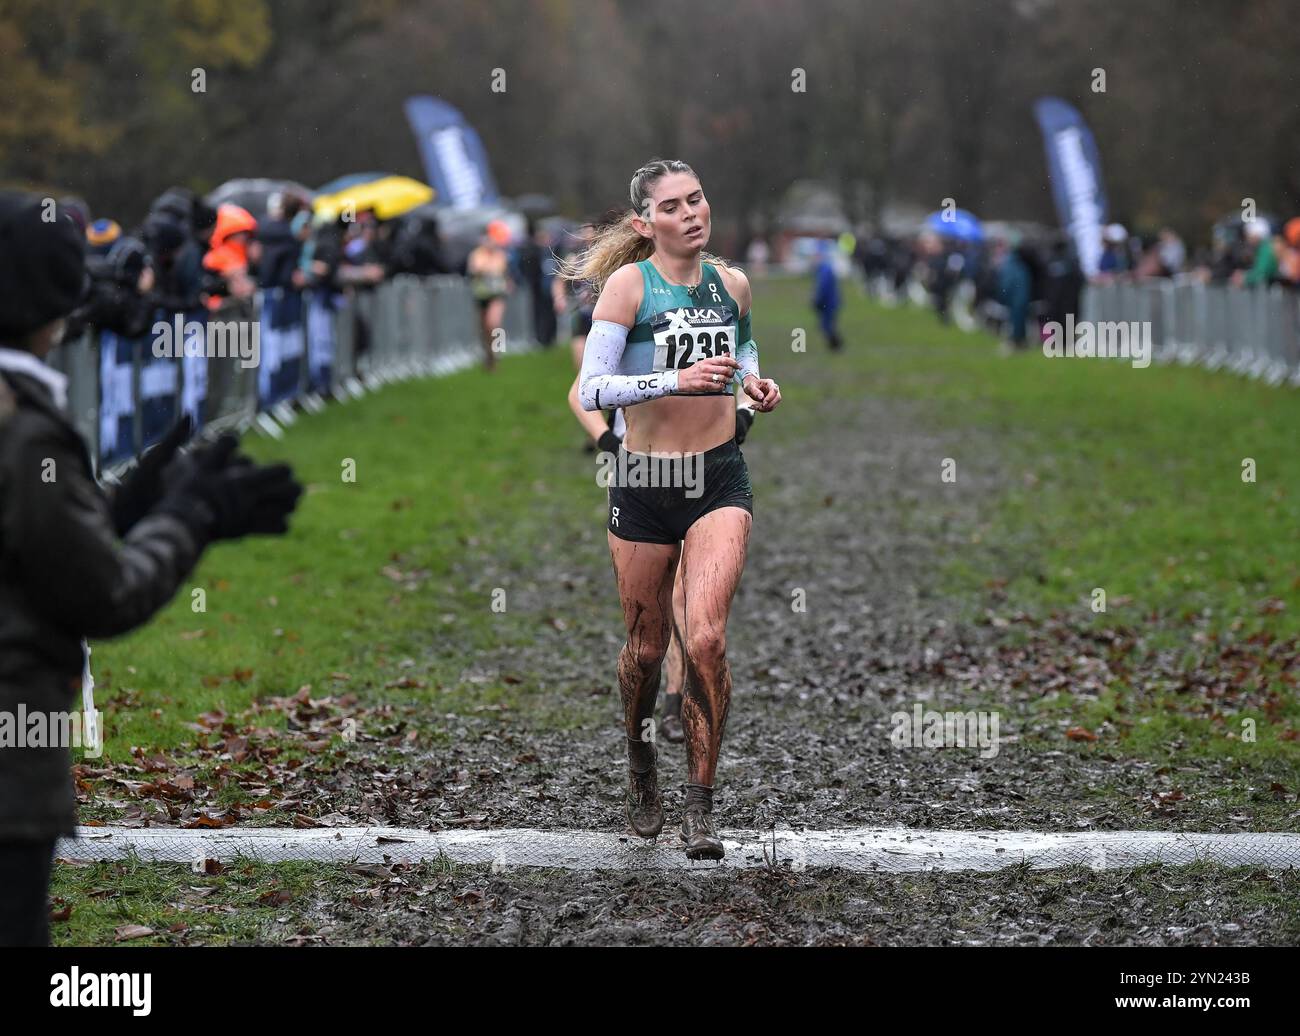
<point x="956" y="223"/>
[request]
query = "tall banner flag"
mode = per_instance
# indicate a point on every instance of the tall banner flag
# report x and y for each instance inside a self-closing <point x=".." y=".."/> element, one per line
<point x="1074" y="171"/>
<point x="455" y="163"/>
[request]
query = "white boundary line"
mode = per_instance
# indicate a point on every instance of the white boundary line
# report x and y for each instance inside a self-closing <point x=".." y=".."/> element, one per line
<point x="893" y="849"/>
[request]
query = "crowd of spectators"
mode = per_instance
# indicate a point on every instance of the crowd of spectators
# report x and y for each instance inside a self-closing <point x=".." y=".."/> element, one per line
<point x="1244" y="253"/>
<point x="187" y="255"/>
<point x="1008" y="279"/>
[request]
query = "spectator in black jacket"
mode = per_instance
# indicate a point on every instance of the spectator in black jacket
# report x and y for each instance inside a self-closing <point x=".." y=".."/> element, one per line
<point x="411" y="244"/>
<point x="185" y="207"/>
<point x="177" y="262"/>
<point x="1063" y="282"/>
<point x="73" y="563"/>
<point x="177" y="231"/>
<point x="281" y="247"/>
<point x="533" y="256"/>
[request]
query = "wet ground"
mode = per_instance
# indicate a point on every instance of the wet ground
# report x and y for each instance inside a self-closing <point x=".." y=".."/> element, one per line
<point x="858" y="526"/>
<point x="860" y="531"/>
<point x="1154" y="906"/>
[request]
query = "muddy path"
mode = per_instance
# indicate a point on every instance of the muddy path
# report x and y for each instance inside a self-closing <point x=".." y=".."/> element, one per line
<point x="858" y="528"/>
<point x="858" y="531"/>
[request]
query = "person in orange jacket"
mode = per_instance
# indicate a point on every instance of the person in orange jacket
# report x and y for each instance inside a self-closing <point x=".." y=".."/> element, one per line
<point x="1288" y="253"/>
<point x="231" y="251"/>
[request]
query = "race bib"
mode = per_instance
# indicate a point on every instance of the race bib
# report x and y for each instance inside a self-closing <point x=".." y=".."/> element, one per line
<point x="686" y="335"/>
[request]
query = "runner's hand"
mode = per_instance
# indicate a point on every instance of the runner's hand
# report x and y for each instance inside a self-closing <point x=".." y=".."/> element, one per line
<point x="700" y="376"/>
<point x="765" y="393"/>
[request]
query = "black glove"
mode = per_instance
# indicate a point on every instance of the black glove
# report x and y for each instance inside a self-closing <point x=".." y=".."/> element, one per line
<point x="744" y="421"/>
<point x="608" y="441"/>
<point x="213" y="456"/>
<point x="144" y="484"/>
<point x="223" y="495"/>
<point x="210" y="456"/>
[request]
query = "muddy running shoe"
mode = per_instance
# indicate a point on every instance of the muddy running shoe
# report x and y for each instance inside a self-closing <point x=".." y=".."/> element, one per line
<point x="670" y="726"/>
<point x="700" y="836"/>
<point x="645" y="806"/>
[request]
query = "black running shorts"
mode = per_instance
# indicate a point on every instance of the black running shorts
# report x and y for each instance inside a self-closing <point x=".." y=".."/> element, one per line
<point x="655" y="500"/>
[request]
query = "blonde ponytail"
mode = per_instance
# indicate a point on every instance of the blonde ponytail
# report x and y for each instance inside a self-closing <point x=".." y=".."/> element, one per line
<point x="612" y="247"/>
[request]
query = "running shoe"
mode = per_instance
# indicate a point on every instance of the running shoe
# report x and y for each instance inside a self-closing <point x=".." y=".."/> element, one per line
<point x="645" y="806"/>
<point x="700" y="836"/>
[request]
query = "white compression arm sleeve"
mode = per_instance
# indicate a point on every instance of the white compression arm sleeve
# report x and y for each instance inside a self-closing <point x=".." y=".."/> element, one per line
<point x="747" y="357"/>
<point x="601" y="386"/>
<point x="747" y="352"/>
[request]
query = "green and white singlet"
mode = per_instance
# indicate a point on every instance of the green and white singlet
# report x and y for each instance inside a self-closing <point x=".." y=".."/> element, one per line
<point x="676" y="328"/>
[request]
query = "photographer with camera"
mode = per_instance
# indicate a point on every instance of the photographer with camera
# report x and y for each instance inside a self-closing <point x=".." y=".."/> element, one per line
<point x="119" y="291"/>
<point x="75" y="563"/>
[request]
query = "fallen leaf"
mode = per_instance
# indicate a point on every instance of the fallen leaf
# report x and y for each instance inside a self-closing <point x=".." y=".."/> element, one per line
<point x="211" y="820"/>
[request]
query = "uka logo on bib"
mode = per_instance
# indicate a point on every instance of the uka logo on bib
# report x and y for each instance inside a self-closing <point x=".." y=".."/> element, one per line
<point x="686" y="335"/>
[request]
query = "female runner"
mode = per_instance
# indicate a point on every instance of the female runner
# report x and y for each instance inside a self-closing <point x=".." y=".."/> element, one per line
<point x="488" y="267"/>
<point x="670" y="331"/>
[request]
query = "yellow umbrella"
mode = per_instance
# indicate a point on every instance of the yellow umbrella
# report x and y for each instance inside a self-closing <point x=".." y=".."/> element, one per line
<point x="387" y="198"/>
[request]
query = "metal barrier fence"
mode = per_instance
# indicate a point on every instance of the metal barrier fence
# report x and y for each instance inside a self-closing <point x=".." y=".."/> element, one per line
<point x="1250" y="331"/>
<point x="123" y="394"/>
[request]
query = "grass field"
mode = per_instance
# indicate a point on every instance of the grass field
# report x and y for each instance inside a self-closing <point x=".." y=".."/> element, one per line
<point x="1128" y="480"/>
<point x="1121" y="479"/>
